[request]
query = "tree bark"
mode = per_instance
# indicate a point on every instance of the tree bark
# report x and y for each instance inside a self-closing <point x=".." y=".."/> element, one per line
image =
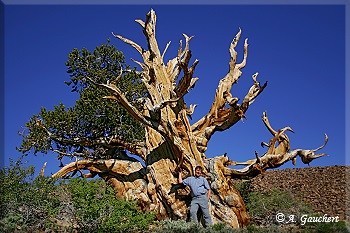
<point x="173" y="143"/>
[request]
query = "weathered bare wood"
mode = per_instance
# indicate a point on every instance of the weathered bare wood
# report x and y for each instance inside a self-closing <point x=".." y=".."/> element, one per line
<point x="42" y="171"/>
<point x="278" y="153"/>
<point x="220" y="118"/>
<point x="171" y="142"/>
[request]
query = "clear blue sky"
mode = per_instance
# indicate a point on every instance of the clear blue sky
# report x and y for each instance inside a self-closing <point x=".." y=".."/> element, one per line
<point x="298" y="49"/>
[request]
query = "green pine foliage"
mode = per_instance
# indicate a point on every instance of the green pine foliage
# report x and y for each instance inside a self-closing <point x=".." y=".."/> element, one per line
<point x="79" y="129"/>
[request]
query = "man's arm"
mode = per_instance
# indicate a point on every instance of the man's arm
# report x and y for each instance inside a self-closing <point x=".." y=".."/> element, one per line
<point x="207" y="186"/>
<point x="209" y="193"/>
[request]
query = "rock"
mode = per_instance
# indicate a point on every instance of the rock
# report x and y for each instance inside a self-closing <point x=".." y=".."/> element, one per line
<point x="324" y="188"/>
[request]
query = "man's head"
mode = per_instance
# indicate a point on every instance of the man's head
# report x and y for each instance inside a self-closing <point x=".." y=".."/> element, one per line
<point x="198" y="171"/>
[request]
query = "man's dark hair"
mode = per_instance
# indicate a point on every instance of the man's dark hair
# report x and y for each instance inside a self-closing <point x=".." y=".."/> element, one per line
<point x="198" y="168"/>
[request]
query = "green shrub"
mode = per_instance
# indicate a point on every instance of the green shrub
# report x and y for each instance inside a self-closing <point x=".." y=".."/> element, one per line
<point x="264" y="206"/>
<point x="219" y="227"/>
<point x="243" y="187"/>
<point x="179" y="226"/>
<point x="27" y="204"/>
<point x="334" y="227"/>
<point x="325" y="227"/>
<point x="96" y="209"/>
<point x="259" y="229"/>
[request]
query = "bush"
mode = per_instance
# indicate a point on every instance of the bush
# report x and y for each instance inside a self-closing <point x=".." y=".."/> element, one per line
<point x="96" y="209"/>
<point x="264" y="206"/>
<point x="325" y="227"/>
<point x="334" y="227"/>
<point x="29" y="204"/>
<point x="181" y="226"/>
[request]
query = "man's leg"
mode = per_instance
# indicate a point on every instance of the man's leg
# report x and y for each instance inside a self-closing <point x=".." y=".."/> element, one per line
<point x="194" y="210"/>
<point x="204" y="205"/>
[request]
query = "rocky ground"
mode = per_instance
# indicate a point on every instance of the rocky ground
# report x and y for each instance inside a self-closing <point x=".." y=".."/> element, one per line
<point x="327" y="189"/>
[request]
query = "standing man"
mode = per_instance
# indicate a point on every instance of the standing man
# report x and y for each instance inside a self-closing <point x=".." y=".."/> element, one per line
<point x="200" y="193"/>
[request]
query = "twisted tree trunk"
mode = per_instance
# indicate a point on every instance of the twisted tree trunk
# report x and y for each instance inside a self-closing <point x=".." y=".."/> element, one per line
<point x="173" y="143"/>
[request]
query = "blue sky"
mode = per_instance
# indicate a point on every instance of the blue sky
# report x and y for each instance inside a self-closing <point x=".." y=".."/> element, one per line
<point x="298" y="49"/>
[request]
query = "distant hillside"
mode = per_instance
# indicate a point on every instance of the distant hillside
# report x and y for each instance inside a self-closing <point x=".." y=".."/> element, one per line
<point x="325" y="188"/>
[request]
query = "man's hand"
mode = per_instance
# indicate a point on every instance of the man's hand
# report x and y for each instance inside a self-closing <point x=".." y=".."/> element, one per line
<point x="180" y="176"/>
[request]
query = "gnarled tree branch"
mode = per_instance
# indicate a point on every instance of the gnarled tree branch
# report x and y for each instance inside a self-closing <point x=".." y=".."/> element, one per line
<point x="115" y="167"/>
<point x="172" y="143"/>
<point x="275" y="156"/>
<point x="220" y="117"/>
<point x="136" y="148"/>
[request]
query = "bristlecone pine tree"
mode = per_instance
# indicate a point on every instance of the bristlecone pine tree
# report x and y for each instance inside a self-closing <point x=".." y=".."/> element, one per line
<point x="98" y="132"/>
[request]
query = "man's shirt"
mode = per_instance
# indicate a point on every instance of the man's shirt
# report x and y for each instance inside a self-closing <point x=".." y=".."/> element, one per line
<point x="199" y="185"/>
